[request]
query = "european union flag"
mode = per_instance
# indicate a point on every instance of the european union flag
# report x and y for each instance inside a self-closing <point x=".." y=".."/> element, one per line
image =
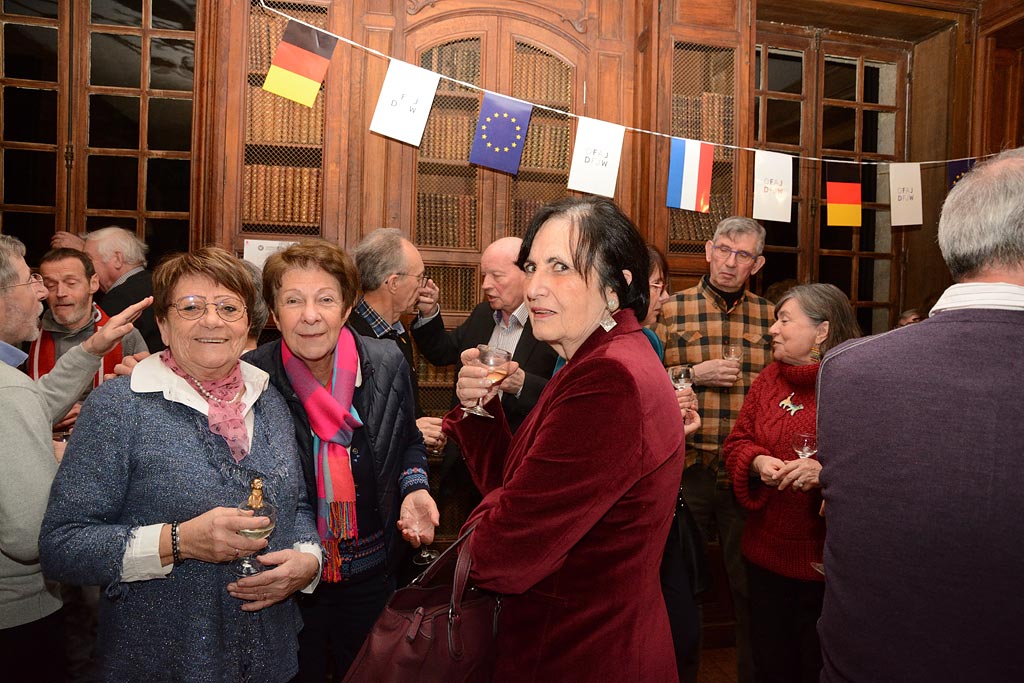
<point x="500" y="133"/>
<point x="955" y="170"/>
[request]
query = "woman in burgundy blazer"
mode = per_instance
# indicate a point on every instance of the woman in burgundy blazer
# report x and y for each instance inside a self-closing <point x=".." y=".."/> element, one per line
<point x="577" y="504"/>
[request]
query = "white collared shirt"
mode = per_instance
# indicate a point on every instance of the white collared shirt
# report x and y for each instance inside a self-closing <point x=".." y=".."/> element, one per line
<point x="141" y="560"/>
<point x="998" y="295"/>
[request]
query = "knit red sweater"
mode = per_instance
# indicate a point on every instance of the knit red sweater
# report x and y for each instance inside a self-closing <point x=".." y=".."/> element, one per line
<point x="783" y="532"/>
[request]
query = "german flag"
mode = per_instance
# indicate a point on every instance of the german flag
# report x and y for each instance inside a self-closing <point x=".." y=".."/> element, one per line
<point x="300" y="63"/>
<point x="842" y="194"/>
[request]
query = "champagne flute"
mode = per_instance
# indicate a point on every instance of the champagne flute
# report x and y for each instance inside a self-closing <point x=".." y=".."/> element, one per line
<point x="805" y="445"/>
<point x="496" y="361"/>
<point x="732" y="351"/>
<point x="249" y="565"/>
<point x="681" y="376"/>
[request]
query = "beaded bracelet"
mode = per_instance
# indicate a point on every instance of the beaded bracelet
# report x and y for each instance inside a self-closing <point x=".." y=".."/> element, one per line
<point x="175" y="543"/>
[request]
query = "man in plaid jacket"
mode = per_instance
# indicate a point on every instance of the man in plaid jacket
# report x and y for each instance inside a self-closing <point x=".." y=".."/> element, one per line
<point x="693" y="327"/>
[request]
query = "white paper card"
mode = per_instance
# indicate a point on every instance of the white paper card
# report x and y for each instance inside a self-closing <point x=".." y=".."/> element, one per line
<point x="773" y="186"/>
<point x="405" y="101"/>
<point x="905" y="194"/>
<point x="595" y="157"/>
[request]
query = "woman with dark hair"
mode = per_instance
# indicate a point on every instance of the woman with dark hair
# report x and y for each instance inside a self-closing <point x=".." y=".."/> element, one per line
<point x="784" y="536"/>
<point x="577" y="504"/>
<point x="145" y="501"/>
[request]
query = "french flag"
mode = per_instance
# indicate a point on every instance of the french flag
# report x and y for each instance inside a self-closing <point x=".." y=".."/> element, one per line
<point x="689" y="175"/>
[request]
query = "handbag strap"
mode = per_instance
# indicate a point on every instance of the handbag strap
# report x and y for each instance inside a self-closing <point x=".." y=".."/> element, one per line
<point x="443" y="560"/>
<point x="462" y="567"/>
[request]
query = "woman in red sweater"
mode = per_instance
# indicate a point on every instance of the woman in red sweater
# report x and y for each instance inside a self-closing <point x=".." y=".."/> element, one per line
<point x="784" y="533"/>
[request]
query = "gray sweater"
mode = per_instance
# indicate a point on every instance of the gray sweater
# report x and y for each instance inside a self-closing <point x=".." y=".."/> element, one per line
<point x="27" y="412"/>
<point x="136" y="459"/>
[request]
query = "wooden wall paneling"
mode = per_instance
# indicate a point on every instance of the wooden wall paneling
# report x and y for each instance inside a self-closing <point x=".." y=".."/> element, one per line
<point x="339" y="93"/>
<point x="371" y="159"/>
<point x="207" y="136"/>
<point x="645" y="97"/>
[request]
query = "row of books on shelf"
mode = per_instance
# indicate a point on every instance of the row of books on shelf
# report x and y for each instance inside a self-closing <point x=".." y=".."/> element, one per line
<point x="281" y="194"/>
<point x="709" y="117"/>
<point x="547" y="146"/>
<point x="448" y="136"/>
<point x="266" y="31"/>
<point x="432" y="374"/>
<point x="444" y="220"/>
<point x="460" y="61"/>
<point x="275" y="119"/>
<point x="538" y="77"/>
<point x="691" y="226"/>
<point x="522" y="213"/>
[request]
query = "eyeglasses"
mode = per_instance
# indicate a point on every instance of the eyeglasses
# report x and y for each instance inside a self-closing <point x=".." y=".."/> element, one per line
<point x="742" y="257"/>
<point x="33" y="279"/>
<point x="195" y="307"/>
<point x="421" y="279"/>
<point x="657" y="286"/>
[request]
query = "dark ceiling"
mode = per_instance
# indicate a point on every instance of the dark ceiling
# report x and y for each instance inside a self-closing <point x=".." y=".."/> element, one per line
<point x="840" y="16"/>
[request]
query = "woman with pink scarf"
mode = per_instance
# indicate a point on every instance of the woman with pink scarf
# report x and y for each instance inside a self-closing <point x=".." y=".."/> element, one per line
<point x="363" y="459"/>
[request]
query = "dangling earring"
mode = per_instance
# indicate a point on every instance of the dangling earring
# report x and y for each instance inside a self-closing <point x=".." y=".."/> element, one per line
<point x="607" y="321"/>
<point x="815" y="353"/>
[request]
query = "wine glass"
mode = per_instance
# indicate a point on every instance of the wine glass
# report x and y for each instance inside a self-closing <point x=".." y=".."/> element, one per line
<point x="681" y="376"/>
<point x="732" y="351"/>
<point x="426" y="557"/>
<point x="805" y="445"/>
<point x="249" y="565"/>
<point x="496" y="361"/>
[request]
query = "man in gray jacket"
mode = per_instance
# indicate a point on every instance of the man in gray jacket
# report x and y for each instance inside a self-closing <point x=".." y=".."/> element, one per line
<point x="30" y="627"/>
<point x="921" y="433"/>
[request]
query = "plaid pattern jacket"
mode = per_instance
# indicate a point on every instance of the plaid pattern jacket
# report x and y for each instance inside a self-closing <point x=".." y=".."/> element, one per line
<point x="692" y="326"/>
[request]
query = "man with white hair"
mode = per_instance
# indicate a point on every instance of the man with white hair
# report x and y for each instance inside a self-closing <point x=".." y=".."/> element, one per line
<point x="119" y="258"/>
<point x="921" y="432"/>
<point x="30" y="624"/>
<point x="501" y="320"/>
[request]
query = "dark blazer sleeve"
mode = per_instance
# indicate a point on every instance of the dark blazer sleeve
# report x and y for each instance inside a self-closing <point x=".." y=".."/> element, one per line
<point x="439" y="346"/>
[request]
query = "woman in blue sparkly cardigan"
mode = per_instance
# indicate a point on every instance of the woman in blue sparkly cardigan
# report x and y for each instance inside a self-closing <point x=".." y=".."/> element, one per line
<point x="145" y="502"/>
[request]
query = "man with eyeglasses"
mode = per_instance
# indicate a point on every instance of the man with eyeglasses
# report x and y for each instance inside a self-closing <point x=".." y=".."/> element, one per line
<point x="395" y="283"/>
<point x="694" y="326"/>
<point x="31" y="628"/>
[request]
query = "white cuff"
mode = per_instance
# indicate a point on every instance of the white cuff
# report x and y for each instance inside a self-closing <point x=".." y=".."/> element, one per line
<point x="141" y="561"/>
<point x="314" y="550"/>
<point x="422" y="320"/>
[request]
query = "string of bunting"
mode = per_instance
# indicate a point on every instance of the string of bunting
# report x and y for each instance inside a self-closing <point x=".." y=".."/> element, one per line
<point x="300" y="63"/>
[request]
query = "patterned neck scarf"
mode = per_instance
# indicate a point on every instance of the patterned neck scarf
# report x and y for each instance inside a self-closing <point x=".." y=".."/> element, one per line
<point x="330" y="416"/>
<point x="225" y="409"/>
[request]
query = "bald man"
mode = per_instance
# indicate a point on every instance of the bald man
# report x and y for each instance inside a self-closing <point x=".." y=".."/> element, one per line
<point x="501" y="320"/>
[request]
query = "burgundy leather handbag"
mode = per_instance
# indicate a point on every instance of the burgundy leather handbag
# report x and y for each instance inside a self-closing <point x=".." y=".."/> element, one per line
<point x="438" y="629"/>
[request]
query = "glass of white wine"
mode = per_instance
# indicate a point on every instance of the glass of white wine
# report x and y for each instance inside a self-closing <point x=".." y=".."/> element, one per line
<point x="805" y="445"/>
<point x="250" y="565"/>
<point x="681" y="376"/>
<point x="496" y="361"/>
<point x="732" y="350"/>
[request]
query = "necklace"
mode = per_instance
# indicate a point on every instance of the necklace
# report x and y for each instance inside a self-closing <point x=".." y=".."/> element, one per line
<point x="210" y="397"/>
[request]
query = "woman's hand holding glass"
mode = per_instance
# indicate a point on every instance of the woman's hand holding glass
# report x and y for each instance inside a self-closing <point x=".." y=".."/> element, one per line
<point x="213" y="536"/>
<point x="287" y="571"/>
<point x="473" y="386"/>
<point x="801" y="474"/>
